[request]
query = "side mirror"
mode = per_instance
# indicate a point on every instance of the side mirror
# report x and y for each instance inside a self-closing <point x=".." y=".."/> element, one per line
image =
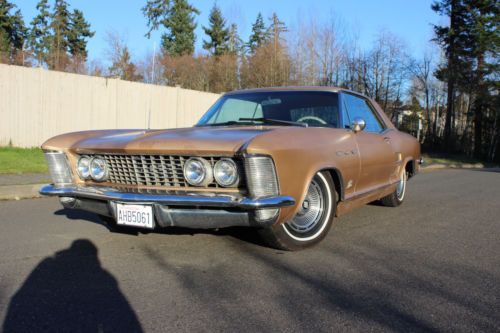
<point x="358" y="124"/>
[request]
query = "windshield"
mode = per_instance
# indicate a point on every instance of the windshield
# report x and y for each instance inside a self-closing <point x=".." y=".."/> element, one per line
<point x="313" y="108"/>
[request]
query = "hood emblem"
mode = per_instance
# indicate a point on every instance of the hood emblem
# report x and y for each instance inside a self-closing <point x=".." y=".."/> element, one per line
<point x="346" y="152"/>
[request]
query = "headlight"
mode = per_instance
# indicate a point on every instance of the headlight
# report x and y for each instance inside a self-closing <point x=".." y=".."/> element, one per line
<point x="198" y="171"/>
<point x="98" y="169"/>
<point x="226" y="172"/>
<point x="83" y="167"/>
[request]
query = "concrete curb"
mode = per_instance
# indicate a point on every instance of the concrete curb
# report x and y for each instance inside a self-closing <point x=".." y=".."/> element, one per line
<point x="477" y="166"/>
<point x="18" y="192"/>
<point x="454" y="166"/>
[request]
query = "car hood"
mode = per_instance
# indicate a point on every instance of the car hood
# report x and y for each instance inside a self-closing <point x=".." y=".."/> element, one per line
<point x="194" y="140"/>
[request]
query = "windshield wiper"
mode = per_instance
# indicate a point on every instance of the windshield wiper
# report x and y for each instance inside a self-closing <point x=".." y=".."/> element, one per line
<point x="275" y="121"/>
<point x="228" y="123"/>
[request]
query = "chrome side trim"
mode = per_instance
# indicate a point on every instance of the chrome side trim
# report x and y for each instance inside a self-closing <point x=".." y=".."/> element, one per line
<point x="188" y="199"/>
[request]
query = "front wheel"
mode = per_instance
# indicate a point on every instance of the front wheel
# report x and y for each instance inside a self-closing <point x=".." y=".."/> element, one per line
<point x="313" y="221"/>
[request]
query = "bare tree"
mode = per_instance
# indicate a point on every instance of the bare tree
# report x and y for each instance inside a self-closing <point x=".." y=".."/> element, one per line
<point x="421" y="71"/>
<point x="119" y="56"/>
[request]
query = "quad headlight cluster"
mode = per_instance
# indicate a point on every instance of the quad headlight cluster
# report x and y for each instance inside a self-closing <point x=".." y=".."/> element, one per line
<point x="92" y="168"/>
<point x="199" y="172"/>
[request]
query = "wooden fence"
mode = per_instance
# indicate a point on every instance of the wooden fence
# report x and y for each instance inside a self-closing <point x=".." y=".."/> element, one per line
<point x="36" y="104"/>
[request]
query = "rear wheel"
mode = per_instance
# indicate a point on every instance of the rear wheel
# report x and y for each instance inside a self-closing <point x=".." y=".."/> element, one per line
<point x="397" y="197"/>
<point x="313" y="221"/>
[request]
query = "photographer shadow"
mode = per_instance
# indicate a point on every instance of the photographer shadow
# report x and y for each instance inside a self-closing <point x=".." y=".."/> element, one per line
<point x="71" y="292"/>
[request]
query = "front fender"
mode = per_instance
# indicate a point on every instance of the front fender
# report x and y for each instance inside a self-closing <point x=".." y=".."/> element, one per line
<point x="299" y="153"/>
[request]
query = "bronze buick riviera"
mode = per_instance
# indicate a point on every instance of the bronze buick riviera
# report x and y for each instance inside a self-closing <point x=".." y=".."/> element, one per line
<point x="283" y="160"/>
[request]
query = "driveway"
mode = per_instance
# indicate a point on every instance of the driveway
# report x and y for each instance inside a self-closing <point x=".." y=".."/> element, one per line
<point x="432" y="264"/>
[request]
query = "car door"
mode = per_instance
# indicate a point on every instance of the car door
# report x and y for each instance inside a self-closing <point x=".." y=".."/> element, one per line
<point x="339" y="144"/>
<point x="377" y="157"/>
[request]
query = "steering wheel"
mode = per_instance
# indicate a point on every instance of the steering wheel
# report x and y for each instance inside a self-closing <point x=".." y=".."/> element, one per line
<point x="313" y="118"/>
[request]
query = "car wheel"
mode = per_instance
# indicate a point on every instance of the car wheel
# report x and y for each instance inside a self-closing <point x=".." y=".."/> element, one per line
<point x="397" y="197"/>
<point x="313" y="221"/>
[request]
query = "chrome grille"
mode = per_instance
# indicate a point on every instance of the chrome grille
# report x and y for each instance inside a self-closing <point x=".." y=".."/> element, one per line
<point x="149" y="170"/>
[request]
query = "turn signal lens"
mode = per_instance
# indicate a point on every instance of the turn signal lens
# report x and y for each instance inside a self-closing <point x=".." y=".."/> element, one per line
<point x="58" y="167"/>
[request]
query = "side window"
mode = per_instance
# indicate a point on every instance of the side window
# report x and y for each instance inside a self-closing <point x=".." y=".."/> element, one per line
<point x="234" y="109"/>
<point x="358" y="107"/>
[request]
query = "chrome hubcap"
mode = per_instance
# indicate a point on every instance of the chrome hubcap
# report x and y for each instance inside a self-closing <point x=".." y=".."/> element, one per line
<point x="311" y="210"/>
<point x="400" y="189"/>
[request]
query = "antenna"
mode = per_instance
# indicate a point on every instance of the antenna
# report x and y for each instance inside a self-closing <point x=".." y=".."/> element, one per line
<point x="153" y="67"/>
<point x="152" y="82"/>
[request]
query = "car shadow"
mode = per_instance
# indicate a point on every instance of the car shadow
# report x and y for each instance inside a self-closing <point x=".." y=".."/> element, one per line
<point x="245" y="234"/>
<point x="71" y="292"/>
<point x="76" y="214"/>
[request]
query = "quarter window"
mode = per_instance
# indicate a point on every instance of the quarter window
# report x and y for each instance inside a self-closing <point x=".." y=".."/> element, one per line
<point x="358" y="107"/>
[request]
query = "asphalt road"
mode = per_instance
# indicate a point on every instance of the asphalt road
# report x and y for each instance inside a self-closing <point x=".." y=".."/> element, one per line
<point x="432" y="264"/>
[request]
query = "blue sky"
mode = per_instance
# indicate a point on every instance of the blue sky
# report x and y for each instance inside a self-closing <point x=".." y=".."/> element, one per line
<point x="409" y="19"/>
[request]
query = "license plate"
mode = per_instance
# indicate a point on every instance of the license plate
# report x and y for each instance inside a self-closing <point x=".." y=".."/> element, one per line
<point x="135" y="215"/>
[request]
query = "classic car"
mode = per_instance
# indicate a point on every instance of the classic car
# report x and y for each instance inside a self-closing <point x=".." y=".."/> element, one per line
<point x="284" y="160"/>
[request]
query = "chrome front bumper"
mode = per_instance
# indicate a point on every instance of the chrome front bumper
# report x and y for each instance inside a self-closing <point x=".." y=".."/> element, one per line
<point x="190" y="199"/>
<point x="172" y="209"/>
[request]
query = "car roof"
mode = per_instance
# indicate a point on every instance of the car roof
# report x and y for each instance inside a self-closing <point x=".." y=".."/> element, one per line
<point x="295" y="88"/>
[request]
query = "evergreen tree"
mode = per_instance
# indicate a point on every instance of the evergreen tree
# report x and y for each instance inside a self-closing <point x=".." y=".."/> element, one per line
<point x="449" y="38"/>
<point x="217" y="32"/>
<point x="259" y="34"/>
<point x="5" y="25"/>
<point x="179" y="39"/>
<point x="59" y="41"/>
<point x="12" y="30"/>
<point x="78" y="34"/>
<point x="470" y="41"/>
<point x="4" y="44"/>
<point x="18" y="32"/>
<point x="178" y="18"/>
<point x="69" y="32"/>
<point x="156" y="11"/>
<point x="485" y="45"/>
<point x="39" y="36"/>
